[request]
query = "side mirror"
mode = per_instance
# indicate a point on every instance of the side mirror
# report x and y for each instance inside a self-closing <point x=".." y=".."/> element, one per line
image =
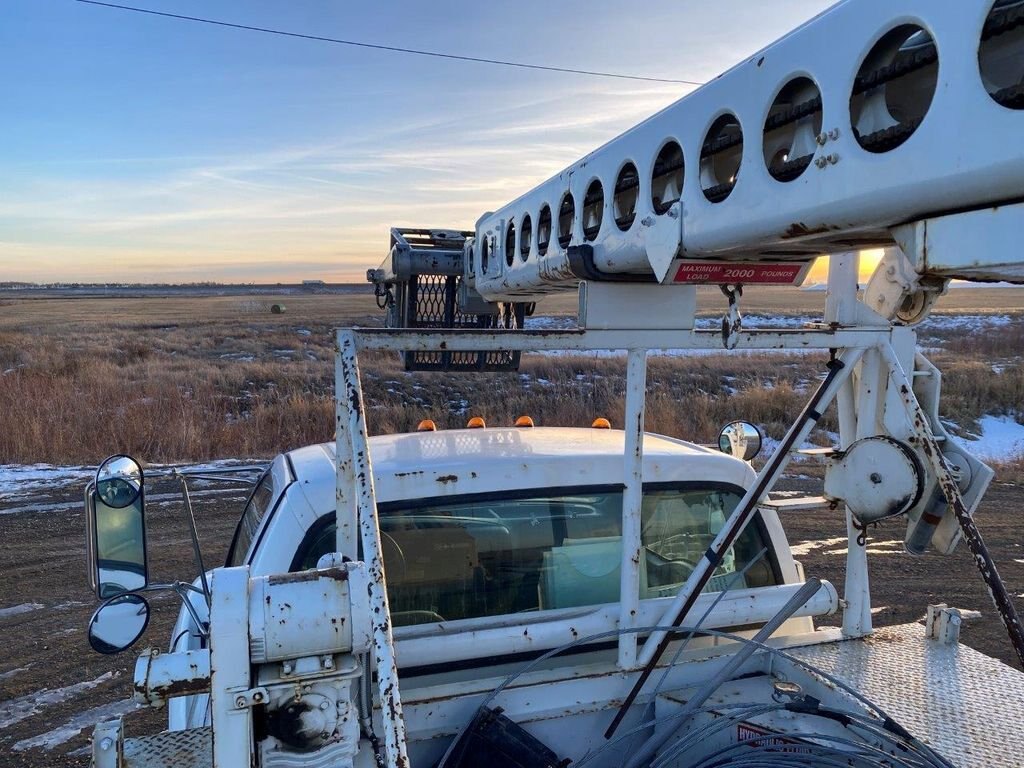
<point x="118" y="623"/>
<point x="116" y="528"/>
<point x="741" y="439"/>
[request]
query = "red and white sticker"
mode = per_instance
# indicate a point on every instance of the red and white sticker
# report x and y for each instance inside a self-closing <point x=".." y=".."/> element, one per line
<point x="766" y="738"/>
<point x="745" y="273"/>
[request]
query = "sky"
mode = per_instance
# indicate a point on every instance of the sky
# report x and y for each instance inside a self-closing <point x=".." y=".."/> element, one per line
<point x="142" y="149"/>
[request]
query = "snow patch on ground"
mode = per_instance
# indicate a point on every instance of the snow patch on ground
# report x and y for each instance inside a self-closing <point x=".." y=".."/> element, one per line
<point x="21" y="482"/>
<point x="1001" y="439"/>
<point x="75" y="726"/>
<point x="24" y="479"/>
<point x="14" y="610"/>
<point x="964" y="322"/>
<point x="16" y="671"/>
<point x="16" y="710"/>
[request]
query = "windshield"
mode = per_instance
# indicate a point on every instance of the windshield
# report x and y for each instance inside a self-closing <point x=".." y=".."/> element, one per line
<point x="257" y="506"/>
<point x="458" y="559"/>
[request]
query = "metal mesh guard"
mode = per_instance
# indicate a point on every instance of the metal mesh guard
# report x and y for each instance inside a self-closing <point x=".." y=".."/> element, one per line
<point x="432" y="303"/>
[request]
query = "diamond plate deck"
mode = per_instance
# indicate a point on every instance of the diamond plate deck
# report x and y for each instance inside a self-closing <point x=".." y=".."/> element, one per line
<point x="964" y="704"/>
<point x="171" y="749"/>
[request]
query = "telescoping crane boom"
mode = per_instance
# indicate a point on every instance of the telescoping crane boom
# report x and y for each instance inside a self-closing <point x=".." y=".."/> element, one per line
<point x="879" y="123"/>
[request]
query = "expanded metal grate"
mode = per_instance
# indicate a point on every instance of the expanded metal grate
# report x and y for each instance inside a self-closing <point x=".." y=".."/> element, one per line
<point x="431" y="302"/>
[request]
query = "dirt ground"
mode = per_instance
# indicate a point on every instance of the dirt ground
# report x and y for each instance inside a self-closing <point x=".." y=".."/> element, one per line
<point x="54" y="687"/>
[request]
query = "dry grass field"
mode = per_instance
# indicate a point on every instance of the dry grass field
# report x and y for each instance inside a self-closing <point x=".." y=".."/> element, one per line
<point x="184" y="378"/>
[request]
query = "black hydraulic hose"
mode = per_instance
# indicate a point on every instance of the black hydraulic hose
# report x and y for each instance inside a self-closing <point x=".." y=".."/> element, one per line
<point x="737" y="522"/>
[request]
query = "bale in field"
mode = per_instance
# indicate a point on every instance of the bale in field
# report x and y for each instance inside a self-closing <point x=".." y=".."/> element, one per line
<point x="277" y="309"/>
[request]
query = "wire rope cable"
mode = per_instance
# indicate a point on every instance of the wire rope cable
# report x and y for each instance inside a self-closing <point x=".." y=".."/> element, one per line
<point x="907" y="751"/>
<point x="389" y="48"/>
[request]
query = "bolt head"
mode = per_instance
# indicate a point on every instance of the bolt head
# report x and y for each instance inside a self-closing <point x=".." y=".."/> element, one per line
<point x="240" y="702"/>
<point x="821" y="138"/>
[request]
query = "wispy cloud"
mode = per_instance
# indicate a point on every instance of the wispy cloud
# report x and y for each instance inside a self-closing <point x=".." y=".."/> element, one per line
<point x="332" y="202"/>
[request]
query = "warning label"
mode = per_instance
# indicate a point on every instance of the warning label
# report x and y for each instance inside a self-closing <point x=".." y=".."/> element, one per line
<point x="732" y="273"/>
<point x="762" y="737"/>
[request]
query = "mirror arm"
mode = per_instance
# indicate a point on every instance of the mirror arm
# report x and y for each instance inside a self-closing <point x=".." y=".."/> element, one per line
<point x="182" y="589"/>
<point x="90" y="538"/>
<point x="222" y="479"/>
<point x="195" y="540"/>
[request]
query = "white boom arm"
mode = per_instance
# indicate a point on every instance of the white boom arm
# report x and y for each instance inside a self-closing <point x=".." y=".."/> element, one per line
<point x="874" y="114"/>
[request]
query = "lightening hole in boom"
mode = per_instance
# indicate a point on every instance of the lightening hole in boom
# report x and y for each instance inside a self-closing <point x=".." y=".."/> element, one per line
<point x="1001" y="53"/>
<point x="667" y="178"/>
<point x="791" y="128"/>
<point x="894" y="88"/>
<point x="525" y="238"/>
<point x="627" y="191"/>
<point x="510" y="243"/>
<point x="566" y="215"/>
<point x="593" y="210"/>
<point x="720" y="158"/>
<point x="544" y="229"/>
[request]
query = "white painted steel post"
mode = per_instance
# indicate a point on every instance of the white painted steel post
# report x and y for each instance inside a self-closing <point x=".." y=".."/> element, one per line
<point x="345" y="479"/>
<point x="857" y="408"/>
<point x="350" y="409"/>
<point x="632" y="502"/>
<point x="774" y="467"/>
<point x="229" y="668"/>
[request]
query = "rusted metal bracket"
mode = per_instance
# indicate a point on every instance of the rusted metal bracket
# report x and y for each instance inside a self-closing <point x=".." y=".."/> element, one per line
<point x="250" y="698"/>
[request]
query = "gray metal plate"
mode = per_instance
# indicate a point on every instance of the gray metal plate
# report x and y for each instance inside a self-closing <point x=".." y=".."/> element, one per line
<point x="171" y="749"/>
<point x="964" y="704"/>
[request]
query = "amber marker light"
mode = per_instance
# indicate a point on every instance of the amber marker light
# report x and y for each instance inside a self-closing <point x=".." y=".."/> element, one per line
<point x="524" y="421"/>
<point x="476" y="422"/>
<point x="601" y="423"/>
<point x="427" y="425"/>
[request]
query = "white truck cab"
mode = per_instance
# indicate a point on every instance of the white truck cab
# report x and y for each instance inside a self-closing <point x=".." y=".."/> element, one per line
<point x="480" y="526"/>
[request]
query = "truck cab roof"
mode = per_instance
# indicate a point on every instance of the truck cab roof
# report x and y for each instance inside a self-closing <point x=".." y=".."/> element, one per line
<point x="462" y="462"/>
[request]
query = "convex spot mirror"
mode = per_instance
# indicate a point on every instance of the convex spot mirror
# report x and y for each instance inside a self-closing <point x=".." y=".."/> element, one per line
<point x="119" y="481"/>
<point x="740" y="439"/>
<point x="118" y="623"/>
<point x="115" y="511"/>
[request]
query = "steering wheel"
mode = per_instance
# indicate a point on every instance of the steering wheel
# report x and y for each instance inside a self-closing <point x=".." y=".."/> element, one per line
<point x="658" y="563"/>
